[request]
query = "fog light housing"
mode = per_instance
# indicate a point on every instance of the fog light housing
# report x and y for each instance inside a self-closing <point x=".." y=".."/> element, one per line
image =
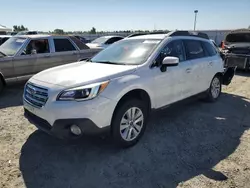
<point x="75" y="130"/>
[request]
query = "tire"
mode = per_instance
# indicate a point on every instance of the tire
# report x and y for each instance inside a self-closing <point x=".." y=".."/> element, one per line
<point x="1" y="85"/>
<point x="214" y="90"/>
<point x="134" y="127"/>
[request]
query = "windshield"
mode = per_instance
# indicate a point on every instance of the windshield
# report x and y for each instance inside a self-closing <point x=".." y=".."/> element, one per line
<point x="11" y="46"/>
<point x="130" y="52"/>
<point x="100" y="40"/>
<point x="238" y="37"/>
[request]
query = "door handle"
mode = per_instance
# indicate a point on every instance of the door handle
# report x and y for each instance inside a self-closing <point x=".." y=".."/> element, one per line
<point x="210" y="63"/>
<point x="188" y="70"/>
<point x="47" y="56"/>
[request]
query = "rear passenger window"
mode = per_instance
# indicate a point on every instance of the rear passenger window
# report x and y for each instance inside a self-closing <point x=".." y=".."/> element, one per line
<point x="209" y="48"/>
<point x="63" y="45"/>
<point x="194" y="49"/>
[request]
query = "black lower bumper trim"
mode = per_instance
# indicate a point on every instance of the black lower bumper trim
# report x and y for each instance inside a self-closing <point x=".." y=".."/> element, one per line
<point x="61" y="127"/>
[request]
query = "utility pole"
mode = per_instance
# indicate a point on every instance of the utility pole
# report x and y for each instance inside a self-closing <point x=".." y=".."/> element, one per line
<point x="195" y="16"/>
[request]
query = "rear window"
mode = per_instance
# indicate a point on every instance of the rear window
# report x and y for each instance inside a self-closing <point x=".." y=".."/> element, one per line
<point x="63" y="45"/>
<point x="238" y="37"/>
<point x="79" y="44"/>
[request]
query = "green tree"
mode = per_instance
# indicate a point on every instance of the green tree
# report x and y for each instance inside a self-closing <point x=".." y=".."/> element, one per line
<point x="18" y="28"/>
<point x="59" y="31"/>
<point x="93" y="31"/>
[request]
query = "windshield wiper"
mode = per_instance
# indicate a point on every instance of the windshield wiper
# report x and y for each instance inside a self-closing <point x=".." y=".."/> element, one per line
<point x="109" y="62"/>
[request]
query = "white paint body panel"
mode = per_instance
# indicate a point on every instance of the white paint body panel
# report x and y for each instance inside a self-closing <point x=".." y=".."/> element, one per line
<point x="163" y="88"/>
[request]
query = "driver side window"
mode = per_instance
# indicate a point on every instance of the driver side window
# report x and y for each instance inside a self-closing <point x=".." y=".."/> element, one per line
<point x="37" y="47"/>
<point x="174" y="49"/>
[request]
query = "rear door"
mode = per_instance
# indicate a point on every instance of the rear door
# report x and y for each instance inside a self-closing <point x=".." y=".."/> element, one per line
<point x="64" y="51"/>
<point x="215" y="62"/>
<point x="200" y="65"/>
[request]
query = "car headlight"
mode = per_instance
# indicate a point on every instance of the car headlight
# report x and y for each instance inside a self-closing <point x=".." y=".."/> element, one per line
<point x="82" y="93"/>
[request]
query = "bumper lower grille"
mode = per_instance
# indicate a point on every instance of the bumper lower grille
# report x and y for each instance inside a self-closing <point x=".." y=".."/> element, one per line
<point x="36" y="96"/>
<point x="37" y="121"/>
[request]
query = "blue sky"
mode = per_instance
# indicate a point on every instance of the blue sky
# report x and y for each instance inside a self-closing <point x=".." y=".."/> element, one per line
<point x="45" y="15"/>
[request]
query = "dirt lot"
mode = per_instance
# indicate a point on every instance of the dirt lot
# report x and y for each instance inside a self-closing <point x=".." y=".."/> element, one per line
<point x="194" y="145"/>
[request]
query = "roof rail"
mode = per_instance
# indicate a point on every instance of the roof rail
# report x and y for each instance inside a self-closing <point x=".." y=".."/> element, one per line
<point x="146" y="33"/>
<point x="189" y="33"/>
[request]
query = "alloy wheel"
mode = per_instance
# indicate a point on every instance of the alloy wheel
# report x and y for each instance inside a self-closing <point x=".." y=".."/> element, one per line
<point x="131" y="123"/>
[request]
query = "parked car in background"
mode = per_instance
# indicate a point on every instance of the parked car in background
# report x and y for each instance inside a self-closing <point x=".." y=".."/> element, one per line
<point x="117" y="89"/>
<point x="23" y="56"/>
<point x="236" y="48"/>
<point x="82" y="39"/>
<point x="4" y="38"/>
<point x="104" y="42"/>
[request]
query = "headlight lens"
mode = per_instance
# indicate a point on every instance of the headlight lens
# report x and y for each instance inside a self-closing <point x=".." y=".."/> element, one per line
<point x="82" y="93"/>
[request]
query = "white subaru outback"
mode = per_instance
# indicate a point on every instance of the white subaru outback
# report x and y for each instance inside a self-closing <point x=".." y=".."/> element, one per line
<point x="117" y="89"/>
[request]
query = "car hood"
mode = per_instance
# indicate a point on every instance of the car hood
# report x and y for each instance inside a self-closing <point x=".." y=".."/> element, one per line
<point x="82" y="73"/>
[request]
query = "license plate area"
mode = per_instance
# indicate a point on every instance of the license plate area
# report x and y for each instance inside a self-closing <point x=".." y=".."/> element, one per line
<point x="29" y="107"/>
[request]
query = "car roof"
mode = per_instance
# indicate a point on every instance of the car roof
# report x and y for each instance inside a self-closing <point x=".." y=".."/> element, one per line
<point x="150" y="36"/>
<point x="108" y="37"/>
<point x="39" y="36"/>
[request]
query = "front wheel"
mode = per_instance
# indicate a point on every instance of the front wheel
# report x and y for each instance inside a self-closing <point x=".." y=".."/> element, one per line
<point x="129" y="123"/>
<point x="214" y="91"/>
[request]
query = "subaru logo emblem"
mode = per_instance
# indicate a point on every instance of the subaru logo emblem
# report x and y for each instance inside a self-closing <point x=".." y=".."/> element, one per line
<point x="32" y="91"/>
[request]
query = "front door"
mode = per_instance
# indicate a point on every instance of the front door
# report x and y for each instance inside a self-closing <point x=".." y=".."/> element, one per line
<point x="24" y="66"/>
<point x="32" y="59"/>
<point x="176" y="82"/>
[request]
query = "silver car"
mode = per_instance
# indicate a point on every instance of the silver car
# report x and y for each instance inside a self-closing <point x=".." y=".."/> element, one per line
<point x="23" y="56"/>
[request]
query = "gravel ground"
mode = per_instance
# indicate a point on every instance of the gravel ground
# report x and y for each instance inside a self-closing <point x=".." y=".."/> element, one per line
<point x="196" y="144"/>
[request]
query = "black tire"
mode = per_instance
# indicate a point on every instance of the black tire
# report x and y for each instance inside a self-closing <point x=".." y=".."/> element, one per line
<point x="1" y="85"/>
<point x="116" y="121"/>
<point x="210" y="97"/>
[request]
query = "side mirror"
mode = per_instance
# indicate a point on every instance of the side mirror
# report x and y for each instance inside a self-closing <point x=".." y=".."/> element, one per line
<point x="170" y="61"/>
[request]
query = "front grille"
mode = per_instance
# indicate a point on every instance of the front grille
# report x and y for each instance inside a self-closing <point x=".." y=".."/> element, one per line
<point x="36" y="96"/>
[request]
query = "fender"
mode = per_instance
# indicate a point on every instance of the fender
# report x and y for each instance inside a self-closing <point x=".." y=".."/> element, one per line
<point x="121" y="86"/>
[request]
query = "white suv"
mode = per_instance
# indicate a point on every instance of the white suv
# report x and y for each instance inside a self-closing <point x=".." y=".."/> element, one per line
<point x="117" y="89"/>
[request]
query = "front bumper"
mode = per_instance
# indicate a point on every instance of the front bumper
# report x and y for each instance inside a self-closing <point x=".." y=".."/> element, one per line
<point x="61" y="127"/>
<point x="55" y="117"/>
